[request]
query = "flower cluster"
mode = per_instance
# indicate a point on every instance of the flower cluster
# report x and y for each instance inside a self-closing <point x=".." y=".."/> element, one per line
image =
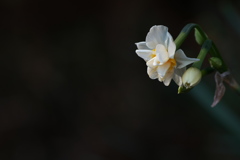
<point x="166" y="62"/>
<point x="163" y="61"/>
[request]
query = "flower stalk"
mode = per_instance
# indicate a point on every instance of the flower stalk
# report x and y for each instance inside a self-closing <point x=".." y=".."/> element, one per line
<point x="202" y="54"/>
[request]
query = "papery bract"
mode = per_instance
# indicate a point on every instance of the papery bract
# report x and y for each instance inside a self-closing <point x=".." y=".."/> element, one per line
<point x="220" y="88"/>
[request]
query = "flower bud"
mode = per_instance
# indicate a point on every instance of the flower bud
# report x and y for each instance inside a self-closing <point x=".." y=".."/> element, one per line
<point x="200" y="39"/>
<point x="215" y="62"/>
<point x="191" y="77"/>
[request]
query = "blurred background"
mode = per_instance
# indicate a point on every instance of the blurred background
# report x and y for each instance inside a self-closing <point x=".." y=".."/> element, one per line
<point x="73" y="88"/>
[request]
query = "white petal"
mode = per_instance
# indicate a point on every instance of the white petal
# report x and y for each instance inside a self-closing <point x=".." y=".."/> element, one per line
<point x="168" y="78"/>
<point x="152" y="72"/>
<point x="177" y="77"/>
<point x="162" y="70"/>
<point x="142" y="45"/>
<point x="150" y="63"/>
<point x="160" y="79"/>
<point x="161" y="54"/>
<point x="145" y="54"/>
<point x="156" y="35"/>
<point x="183" y="60"/>
<point x="171" y="46"/>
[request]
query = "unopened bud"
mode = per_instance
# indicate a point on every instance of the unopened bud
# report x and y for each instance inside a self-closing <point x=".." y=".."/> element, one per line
<point x="215" y="62"/>
<point x="191" y="77"/>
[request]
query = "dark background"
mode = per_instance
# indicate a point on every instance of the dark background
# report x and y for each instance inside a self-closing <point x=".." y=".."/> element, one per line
<point x="73" y="88"/>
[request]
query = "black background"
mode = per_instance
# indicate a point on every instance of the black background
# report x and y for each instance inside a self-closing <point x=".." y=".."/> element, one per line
<point x="73" y="88"/>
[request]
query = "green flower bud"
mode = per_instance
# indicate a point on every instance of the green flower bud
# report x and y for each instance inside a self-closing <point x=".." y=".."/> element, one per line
<point x="215" y="62"/>
<point x="191" y="77"/>
<point x="199" y="37"/>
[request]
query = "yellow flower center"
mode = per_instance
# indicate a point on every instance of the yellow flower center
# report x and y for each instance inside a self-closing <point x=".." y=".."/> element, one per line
<point x="154" y="53"/>
<point x="172" y="65"/>
<point x="172" y="62"/>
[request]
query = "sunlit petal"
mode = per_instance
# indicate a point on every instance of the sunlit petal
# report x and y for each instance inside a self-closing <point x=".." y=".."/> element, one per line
<point x="150" y="63"/>
<point x="171" y="46"/>
<point x="156" y="35"/>
<point x="162" y="70"/>
<point x="161" y="54"/>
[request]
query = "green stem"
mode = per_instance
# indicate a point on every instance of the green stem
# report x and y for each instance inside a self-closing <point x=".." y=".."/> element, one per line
<point x="207" y="71"/>
<point x="203" y="52"/>
<point x="183" y="34"/>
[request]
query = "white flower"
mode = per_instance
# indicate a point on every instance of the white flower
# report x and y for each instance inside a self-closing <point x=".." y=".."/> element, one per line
<point x="163" y="61"/>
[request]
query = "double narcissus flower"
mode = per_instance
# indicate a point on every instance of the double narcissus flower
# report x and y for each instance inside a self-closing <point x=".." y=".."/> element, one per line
<point x="163" y="61"/>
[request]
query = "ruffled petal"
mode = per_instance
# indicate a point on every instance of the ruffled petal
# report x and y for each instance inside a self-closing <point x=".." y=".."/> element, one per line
<point x="182" y="59"/>
<point x="168" y="78"/>
<point x="142" y="45"/>
<point x="145" y="54"/>
<point x="156" y="35"/>
<point x="177" y="77"/>
<point x="150" y="63"/>
<point x="152" y="72"/>
<point x="162" y="70"/>
<point x="161" y="54"/>
<point x="171" y="46"/>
